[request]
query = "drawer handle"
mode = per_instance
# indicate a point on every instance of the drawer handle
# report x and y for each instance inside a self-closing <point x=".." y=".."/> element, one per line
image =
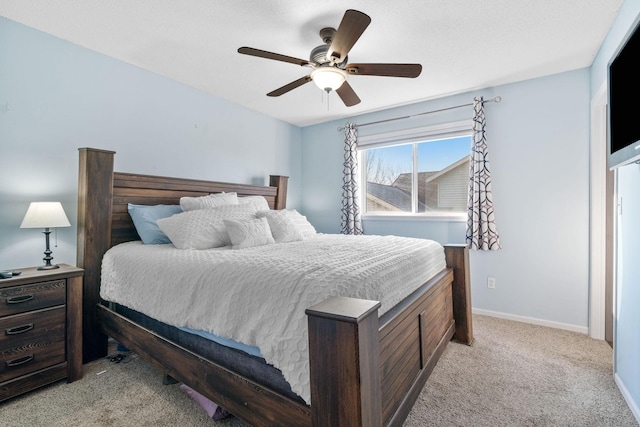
<point x="20" y="361"/>
<point x="19" y="299"/>
<point x="19" y="329"/>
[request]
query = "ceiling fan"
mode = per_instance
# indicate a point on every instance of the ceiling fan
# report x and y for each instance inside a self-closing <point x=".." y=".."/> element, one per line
<point x="329" y="61"/>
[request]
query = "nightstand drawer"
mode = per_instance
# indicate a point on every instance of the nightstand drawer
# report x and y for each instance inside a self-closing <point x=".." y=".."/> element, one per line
<point x="19" y="329"/>
<point x="18" y="299"/>
<point x="38" y="347"/>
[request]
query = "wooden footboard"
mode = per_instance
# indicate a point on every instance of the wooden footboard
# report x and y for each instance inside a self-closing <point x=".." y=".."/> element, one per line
<point x="369" y="371"/>
<point x="365" y="370"/>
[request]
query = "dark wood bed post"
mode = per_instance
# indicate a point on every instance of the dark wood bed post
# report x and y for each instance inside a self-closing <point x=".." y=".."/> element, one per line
<point x="457" y="257"/>
<point x="95" y="189"/>
<point x="344" y="364"/>
<point x="280" y="182"/>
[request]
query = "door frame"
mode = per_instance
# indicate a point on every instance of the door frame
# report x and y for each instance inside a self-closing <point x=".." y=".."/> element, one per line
<point x="600" y="249"/>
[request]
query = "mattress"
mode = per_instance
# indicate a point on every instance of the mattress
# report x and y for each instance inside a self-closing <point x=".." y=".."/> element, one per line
<point x="257" y="296"/>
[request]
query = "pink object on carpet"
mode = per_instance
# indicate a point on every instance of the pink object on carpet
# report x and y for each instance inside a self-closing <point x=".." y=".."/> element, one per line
<point x="213" y="410"/>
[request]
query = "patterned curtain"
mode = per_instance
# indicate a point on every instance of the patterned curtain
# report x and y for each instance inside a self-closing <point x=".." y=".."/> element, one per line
<point x="351" y="223"/>
<point x="481" y="227"/>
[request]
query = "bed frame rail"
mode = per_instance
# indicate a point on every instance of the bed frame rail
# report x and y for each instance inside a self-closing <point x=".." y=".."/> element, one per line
<point x="248" y="400"/>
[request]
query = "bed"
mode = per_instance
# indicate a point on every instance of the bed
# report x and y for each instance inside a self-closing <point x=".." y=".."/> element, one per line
<point x="365" y="369"/>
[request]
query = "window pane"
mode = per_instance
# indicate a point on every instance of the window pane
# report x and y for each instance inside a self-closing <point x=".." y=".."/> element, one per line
<point x="443" y="175"/>
<point x="388" y="177"/>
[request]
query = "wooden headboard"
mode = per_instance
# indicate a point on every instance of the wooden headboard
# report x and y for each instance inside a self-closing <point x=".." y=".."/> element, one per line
<point x="103" y="219"/>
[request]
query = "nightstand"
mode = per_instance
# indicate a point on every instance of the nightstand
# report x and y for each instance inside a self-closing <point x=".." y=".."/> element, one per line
<point x="40" y="329"/>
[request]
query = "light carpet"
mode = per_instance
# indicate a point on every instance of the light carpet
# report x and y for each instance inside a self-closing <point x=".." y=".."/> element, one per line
<point x="514" y="374"/>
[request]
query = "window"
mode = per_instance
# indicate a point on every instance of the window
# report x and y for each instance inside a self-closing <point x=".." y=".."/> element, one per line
<point x="417" y="172"/>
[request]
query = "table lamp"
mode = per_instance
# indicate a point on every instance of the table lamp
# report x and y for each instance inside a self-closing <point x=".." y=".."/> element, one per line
<point x="45" y="215"/>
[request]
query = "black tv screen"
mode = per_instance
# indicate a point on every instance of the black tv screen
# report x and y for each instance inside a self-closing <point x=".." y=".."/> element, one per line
<point x="624" y="103"/>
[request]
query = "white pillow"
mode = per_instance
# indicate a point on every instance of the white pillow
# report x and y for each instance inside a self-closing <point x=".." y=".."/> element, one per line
<point x="259" y="202"/>
<point x="302" y="223"/>
<point x="282" y="226"/>
<point x="203" y="228"/>
<point x="210" y="201"/>
<point x="249" y="233"/>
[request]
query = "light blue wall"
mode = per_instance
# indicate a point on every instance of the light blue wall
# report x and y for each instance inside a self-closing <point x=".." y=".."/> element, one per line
<point x="627" y="310"/>
<point x="539" y="151"/>
<point x="56" y="97"/>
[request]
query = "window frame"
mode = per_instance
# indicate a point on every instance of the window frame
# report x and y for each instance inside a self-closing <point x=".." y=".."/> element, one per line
<point x="410" y="136"/>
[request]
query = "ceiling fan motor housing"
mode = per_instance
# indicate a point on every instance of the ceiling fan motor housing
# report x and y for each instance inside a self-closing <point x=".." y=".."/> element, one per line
<point x="319" y="53"/>
<point x="319" y="56"/>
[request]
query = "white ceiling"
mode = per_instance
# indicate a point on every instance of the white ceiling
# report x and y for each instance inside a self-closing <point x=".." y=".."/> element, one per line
<point x="462" y="45"/>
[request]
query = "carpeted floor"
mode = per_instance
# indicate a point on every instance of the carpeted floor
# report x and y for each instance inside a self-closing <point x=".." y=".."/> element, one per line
<point x="514" y="374"/>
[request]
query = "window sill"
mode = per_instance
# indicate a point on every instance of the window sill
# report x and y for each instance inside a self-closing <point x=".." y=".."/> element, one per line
<point x="445" y="217"/>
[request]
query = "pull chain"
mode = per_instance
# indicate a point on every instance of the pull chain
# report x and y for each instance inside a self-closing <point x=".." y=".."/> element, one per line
<point x="327" y="91"/>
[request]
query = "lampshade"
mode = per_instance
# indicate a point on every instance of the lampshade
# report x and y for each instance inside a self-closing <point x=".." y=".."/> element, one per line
<point x="45" y="215"/>
<point x="328" y="78"/>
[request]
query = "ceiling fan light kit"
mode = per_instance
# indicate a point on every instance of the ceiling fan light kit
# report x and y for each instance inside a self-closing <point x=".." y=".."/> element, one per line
<point x="328" y="78"/>
<point x="329" y="61"/>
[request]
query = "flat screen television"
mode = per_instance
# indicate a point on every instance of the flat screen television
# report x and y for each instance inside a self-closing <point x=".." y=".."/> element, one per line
<point x="624" y="102"/>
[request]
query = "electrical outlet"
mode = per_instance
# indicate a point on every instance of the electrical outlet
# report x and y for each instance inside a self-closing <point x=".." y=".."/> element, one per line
<point x="491" y="282"/>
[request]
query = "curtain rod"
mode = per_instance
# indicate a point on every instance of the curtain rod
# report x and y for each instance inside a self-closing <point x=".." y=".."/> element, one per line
<point x="494" y="99"/>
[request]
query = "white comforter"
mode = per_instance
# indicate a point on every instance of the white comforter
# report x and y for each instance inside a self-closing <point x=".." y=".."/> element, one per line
<point x="258" y="296"/>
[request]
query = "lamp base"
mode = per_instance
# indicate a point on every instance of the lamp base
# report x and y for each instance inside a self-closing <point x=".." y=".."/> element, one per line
<point x="47" y="253"/>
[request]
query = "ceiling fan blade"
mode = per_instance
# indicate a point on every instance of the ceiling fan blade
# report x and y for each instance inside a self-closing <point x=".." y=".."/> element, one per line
<point x="347" y="94"/>
<point x="351" y="28"/>
<point x="276" y="56"/>
<point x="387" y="70"/>
<point x="286" y="88"/>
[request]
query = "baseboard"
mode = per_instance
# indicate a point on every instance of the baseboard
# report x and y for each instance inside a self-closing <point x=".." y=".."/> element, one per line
<point x="627" y="397"/>
<point x="532" y="320"/>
